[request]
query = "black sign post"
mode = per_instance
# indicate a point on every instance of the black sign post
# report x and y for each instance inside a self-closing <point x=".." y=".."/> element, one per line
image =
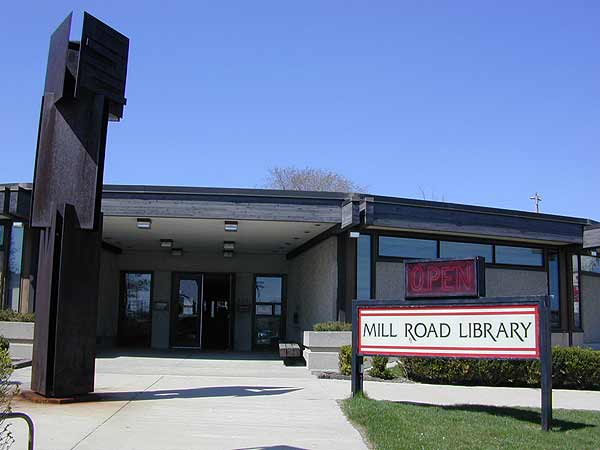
<point x="453" y="306"/>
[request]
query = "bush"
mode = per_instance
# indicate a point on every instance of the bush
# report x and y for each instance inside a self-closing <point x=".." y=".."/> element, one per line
<point x="8" y="315"/>
<point x="572" y="368"/>
<point x="4" y="343"/>
<point x="379" y="368"/>
<point x="6" y="394"/>
<point x="345" y="360"/>
<point x="332" y="326"/>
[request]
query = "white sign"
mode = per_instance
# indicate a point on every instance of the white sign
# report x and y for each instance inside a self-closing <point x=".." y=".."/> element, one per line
<point x="494" y="331"/>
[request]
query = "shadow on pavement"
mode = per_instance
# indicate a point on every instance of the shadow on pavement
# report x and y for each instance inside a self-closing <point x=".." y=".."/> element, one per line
<point x="187" y="354"/>
<point x="273" y="447"/>
<point x="204" y="392"/>
<point x="522" y="414"/>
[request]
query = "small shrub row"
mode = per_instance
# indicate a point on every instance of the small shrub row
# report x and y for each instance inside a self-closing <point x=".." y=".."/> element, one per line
<point x="8" y="315"/>
<point x="572" y="368"/>
<point x="332" y="326"/>
<point x="378" y="364"/>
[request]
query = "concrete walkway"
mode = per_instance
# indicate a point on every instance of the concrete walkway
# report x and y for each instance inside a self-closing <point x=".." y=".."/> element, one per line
<point x="184" y="402"/>
<point x="466" y="395"/>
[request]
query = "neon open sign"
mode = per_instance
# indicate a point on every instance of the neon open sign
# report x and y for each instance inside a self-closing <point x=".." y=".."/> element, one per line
<point x="444" y="278"/>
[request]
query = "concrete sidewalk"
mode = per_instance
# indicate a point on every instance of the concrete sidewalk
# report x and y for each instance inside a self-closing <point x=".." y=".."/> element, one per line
<point x="185" y="402"/>
<point x="466" y="395"/>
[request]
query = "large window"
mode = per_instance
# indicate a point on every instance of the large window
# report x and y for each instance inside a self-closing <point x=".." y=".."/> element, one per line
<point x="15" y="256"/>
<point x="519" y="256"/>
<point x="268" y="326"/>
<point x="590" y="264"/>
<point x="450" y="249"/>
<point x="407" y="247"/>
<point x="575" y="291"/>
<point x="363" y="267"/>
<point x="135" y="319"/>
<point x="554" y="287"/>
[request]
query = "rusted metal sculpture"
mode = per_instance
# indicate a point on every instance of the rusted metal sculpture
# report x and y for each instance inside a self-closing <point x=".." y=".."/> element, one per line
<point x="84" y="89"/>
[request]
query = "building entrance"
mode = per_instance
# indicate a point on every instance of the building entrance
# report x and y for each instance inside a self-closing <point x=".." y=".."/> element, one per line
<point x="201" y="310"/>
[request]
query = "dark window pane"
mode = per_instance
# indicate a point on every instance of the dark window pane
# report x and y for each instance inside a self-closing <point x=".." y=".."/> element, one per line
<point x="269" y="289"/>
<point x="449" y="249"/>
<point x="363" y="267"/>
<point x="1" y="236"/>
<point x="137" y="302"/>
<point x="15" y="254"/>
<point x="554" y="288"/>
<point x="576" y="294"/>
<point x="267" y="330"/>
<point x="520" y="256"/>
<point x="590" y="264"/>
<point x="407" y="247"/>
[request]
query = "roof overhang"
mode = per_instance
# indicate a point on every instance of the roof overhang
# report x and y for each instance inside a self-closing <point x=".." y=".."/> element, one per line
<point x="591" y="237"/>
<point x="15" y="201"/>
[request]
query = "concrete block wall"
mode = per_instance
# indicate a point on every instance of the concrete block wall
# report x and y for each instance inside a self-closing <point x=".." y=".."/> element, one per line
<point x="312" y="288"/>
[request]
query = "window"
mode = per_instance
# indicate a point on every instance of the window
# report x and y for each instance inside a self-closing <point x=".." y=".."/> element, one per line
<point x="268" y="310"/>
<point x="135" y="319"/>
<point x="554" y="288"/>
<point x="407" y="247"/>
<point x="363" y="267"/>
<point x="449" y="249"/>
<point x="575" y="291"/>
<point x="590" y="264"/>
<point x="519" y="256"/>
<point x="15" y="255"/>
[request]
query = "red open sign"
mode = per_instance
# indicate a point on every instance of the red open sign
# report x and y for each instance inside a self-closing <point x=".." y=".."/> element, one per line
<point x="444" y="278"/>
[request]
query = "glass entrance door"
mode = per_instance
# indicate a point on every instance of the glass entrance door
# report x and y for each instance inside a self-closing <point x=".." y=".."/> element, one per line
<point x="186" y="311"/>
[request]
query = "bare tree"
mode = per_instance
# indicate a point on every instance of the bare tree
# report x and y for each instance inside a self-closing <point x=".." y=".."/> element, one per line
<point x="432" y="197"/>
<point x="310" y="179"/>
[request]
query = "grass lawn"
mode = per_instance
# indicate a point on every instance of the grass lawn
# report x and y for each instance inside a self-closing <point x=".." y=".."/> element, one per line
<point x="396" y="426"/>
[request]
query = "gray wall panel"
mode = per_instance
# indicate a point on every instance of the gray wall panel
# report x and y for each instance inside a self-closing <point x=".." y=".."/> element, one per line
<point x="590" y="308"/>
<point x="312" y="288"/>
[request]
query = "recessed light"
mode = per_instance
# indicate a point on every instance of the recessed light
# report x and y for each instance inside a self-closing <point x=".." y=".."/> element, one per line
<point x="228" y="245"/>
<point x="144" y="224"/>
<point x="176" y="252"/>
<point x="166" y="243"/>
<point x="296" y="238"/>
<point x="317" y="224"/>
<point x="227" y="254"/>
<point x="354" y="234"/>
<point x="231" y="225"/>
<point x="306" y="232"/>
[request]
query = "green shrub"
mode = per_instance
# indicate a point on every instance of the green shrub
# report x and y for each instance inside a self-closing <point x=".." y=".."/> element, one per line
<point x="6" y="393"/>
<point x="332" y="326"/>
<point x="4" y="343"/>
<point x="8" y="315"/>
<point x="345" y="360"/>
<point x="572" y="368"/>
<point x="379" y="368"/>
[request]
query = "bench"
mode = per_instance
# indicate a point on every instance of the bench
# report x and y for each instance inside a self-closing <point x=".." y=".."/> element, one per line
<point x="289" y="352"/>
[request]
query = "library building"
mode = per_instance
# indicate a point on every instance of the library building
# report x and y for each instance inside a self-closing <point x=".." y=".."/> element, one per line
<point x="244" y="269"/>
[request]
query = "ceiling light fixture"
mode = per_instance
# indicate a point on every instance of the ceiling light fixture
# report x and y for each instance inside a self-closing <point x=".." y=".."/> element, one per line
<point x="228" y="245"/>
<point x="166" y="243"/>
<point x="227" y="254"/>
<point x="231" y="225"/>
<point x="176" y="252"/>
<point x="144" y="224"/>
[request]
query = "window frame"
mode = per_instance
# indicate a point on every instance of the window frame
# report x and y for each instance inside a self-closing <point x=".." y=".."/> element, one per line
<point x="122" y="296"/>
<point x="282" y="316"/>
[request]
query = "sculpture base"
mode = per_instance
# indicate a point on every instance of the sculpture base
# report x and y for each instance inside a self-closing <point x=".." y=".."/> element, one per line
<point x="34" y="397"/>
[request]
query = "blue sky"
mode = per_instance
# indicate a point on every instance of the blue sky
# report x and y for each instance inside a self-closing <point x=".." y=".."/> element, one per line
<point x="477" y="102"/>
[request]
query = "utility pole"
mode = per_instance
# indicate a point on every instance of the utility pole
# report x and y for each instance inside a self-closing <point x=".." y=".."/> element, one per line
<point x="537" y="198"/>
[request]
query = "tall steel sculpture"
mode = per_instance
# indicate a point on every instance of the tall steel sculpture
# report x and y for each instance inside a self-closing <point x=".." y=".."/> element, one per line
<point x="84" y="89"/>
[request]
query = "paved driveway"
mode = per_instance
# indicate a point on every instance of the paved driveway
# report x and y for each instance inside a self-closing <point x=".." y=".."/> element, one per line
<point x="175" y="401"/>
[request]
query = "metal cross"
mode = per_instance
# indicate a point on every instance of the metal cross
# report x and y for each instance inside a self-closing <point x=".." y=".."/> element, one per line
<point x="537" y="198"/>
